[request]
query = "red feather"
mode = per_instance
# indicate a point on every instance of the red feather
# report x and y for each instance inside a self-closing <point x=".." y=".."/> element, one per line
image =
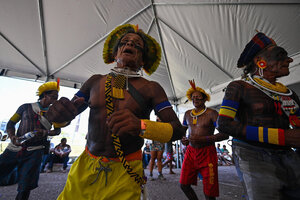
<point x="192" y="83"/>
<point x="58" y="80"/>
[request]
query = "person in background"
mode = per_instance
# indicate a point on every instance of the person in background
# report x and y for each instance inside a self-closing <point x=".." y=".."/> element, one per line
<point x="25" y="151"/>
<point x="201" y="155"/>
<point x="60" y="155"/>
<point x="263" y="117"/>
<point x="227" y="157"/>
<point x="170" y="158"/>
<point x="146" y="155"/>
<point x="47" y="156"/>
<point x="219" y="154"/>
<point x="157" y="150"/>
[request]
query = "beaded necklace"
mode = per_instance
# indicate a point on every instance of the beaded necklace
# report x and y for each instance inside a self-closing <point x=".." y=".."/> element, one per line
<point x="283" y="103"/>
<point x="195" y="114"/>
<point x="278" y="88"/>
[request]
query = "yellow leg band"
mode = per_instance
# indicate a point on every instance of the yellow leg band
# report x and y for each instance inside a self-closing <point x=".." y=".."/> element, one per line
<point x="157" y="131"/>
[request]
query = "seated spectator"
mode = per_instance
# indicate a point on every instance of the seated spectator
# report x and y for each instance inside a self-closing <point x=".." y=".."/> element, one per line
<point x="61" y="155"/>
<point x="226" y="156"/>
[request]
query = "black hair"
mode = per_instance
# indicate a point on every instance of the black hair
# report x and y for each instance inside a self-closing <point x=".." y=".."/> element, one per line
<point x="43" y="94"/>
<point x="250" y="67"/>
<point x="62" y="139"/>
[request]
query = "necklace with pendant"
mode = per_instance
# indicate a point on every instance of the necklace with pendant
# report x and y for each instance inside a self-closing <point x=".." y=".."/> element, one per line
<point x="195" y="114"/>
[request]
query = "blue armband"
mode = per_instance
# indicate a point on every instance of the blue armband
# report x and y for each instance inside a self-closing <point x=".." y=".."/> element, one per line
<point x="229" y="108"/>
<point x="266" y="135"/>
<point x="159" y="107"/>
<point x="184" y="123"/>
<point x="81" y="94"/>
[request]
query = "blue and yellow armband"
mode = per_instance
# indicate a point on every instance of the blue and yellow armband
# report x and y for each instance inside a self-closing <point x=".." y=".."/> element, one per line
<point x="266" y="135"/>
<point x="229" y="108"/>
<point x="158" y="131"/>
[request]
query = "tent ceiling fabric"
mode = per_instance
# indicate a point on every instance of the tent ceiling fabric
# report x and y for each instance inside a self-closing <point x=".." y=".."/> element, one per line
<point x="201" y="40"/>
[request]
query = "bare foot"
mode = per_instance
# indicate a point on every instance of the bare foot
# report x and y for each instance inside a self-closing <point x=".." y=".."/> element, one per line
<point x="171" y="172"/>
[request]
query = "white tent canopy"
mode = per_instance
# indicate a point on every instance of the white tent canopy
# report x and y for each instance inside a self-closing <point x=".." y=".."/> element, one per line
<point x="201" y="40"/>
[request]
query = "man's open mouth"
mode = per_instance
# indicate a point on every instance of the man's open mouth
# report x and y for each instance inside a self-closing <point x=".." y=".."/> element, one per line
<point x="129" y="51"/>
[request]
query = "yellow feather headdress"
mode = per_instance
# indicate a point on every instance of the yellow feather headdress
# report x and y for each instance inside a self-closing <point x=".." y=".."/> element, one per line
<point x="193" y="88"/>
<point x="154" y="50"/>
<point x="48" y="87"/>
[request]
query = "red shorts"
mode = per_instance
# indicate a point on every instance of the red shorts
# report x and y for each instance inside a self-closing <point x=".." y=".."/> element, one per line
<point x="203" y="160"/>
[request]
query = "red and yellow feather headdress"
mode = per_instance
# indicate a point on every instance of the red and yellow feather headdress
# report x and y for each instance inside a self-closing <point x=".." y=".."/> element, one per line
<point x="193" y="88"/>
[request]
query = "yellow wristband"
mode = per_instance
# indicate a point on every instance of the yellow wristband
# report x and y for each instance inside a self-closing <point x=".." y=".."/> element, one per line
<point x="157" y="131"/>
<point x="60" y="125"/>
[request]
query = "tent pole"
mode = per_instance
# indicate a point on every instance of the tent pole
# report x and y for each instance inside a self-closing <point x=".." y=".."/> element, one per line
<point x="223" y="3"/>
<point x="43" y="35"/>
<point x="164" y="52"/>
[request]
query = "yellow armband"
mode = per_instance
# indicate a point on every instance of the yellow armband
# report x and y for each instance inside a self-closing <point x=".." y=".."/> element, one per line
<point x="15" y="118"/>
<point x="157" y="131"/>
<point x="60" y="125"/>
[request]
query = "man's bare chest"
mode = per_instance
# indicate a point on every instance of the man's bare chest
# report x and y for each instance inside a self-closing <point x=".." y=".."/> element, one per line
<point x="100" y="98"/>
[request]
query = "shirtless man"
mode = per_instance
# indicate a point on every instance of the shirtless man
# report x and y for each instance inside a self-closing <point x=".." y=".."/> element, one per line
<point x="263" y="117"/>
<point x="120" y="104"/>
<point x="201" y="155"/>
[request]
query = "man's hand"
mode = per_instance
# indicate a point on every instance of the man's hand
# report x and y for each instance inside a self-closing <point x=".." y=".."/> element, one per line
<point x="185" y="141"/>
<point x="124" y="122"/>
<point x="14" y="140"/>
<point x="40" y="132"/>
<point x="64" y="110"/>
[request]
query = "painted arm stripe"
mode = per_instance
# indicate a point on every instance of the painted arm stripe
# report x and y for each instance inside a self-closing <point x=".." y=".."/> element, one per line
<point x="15" y="118"/>
<point x="159" y="107"/>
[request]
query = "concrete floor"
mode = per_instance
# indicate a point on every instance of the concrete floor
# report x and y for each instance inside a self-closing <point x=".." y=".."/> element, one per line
<point x="50" y="186"/>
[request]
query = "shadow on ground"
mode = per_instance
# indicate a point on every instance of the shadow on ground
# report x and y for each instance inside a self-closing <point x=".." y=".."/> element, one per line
<point x="51" y="184"/>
